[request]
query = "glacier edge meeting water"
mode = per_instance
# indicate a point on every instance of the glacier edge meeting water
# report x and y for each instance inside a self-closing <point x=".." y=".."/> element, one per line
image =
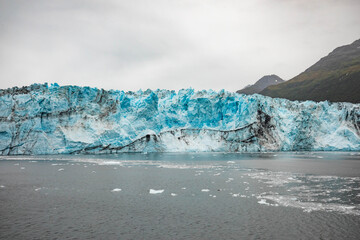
<point x="43" y="119"/>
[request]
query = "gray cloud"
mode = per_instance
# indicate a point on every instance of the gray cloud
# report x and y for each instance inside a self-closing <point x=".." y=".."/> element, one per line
<point x="168" y="44"/>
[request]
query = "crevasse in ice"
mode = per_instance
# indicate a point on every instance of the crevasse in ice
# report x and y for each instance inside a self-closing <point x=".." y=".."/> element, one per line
<point x="42" y="119"/>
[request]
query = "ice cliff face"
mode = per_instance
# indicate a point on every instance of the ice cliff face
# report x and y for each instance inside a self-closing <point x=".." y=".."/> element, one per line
<point x="42" y="119"/>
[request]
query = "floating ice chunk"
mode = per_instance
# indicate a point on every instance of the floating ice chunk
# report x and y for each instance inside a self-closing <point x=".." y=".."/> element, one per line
<point x="22" y="168"/>
<point x="116" y="190"/>
<point x="153" y="191"/>
<point x="236" y="195"/>
<point x="37" y="189"/>
<point x="205" y="190"/>
<point x="2" y="186"/>
<point x="217" y="174"/>
<point x="173" y="194"/>
<point x="110" y="163"/>
<point x="230" y="162"/>
<point x="229" y="180"/>
<point x="263" y="201"/>
<point x="183" y="188"/>
<point x="61" y="169"/>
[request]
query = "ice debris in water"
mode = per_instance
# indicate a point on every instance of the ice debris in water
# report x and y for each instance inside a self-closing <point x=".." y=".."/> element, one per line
<point x="116" y="190"/>
<point x="263" y="201"/>
<point x="44" y="119"/>
<point x="230" y="180"/>
<point x="205" y="190"/>
<point x="153" y="191"/>
<point x="310" y="192"/>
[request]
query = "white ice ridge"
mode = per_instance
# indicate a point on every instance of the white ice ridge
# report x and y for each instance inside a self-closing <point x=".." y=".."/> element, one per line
<point x="153" y="191"/>
<point x="42" y="119"/>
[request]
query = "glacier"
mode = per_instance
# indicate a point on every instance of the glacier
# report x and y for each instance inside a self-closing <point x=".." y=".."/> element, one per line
<point x="53" y="119"/>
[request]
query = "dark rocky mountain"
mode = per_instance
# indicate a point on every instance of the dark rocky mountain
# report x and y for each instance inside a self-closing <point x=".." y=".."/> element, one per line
<point x="335" y="77"/>
<point x="261" y="84"/>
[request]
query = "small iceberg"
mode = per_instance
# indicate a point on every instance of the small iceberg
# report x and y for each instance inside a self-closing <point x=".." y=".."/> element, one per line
<point x="153" y="191"/>
<point x="263" y="201"/>
<point x="116" y="190"/>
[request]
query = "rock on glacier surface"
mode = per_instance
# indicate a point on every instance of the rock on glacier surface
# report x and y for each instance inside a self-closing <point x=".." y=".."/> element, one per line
<point x="42" y="119"/>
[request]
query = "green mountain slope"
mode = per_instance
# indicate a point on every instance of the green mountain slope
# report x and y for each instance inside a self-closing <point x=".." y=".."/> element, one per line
<point x="335" y="77"/>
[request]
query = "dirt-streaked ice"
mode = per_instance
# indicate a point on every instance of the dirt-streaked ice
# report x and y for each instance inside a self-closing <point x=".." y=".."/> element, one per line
<point x="43" y="119"/>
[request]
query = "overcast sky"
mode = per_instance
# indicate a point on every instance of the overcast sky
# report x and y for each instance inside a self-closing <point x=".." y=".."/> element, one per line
<point x="168" y="44"/>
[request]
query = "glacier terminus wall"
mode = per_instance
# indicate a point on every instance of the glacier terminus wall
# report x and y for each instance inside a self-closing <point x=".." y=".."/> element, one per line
<point x="42" y="119"/>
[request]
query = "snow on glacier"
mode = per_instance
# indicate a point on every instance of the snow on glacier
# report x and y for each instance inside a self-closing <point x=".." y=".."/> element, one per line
<point x="42" y="119"/>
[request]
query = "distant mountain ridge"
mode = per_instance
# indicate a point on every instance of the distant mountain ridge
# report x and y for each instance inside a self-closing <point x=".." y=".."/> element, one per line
<point x="335" y="77"/>
<point x="261" y="84"/>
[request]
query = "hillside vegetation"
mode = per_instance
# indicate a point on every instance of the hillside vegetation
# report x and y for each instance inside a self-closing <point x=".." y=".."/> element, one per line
<point x="335" y="77"/>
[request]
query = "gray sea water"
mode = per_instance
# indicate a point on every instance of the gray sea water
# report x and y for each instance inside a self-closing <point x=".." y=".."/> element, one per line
<point x="181" y="196"/>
